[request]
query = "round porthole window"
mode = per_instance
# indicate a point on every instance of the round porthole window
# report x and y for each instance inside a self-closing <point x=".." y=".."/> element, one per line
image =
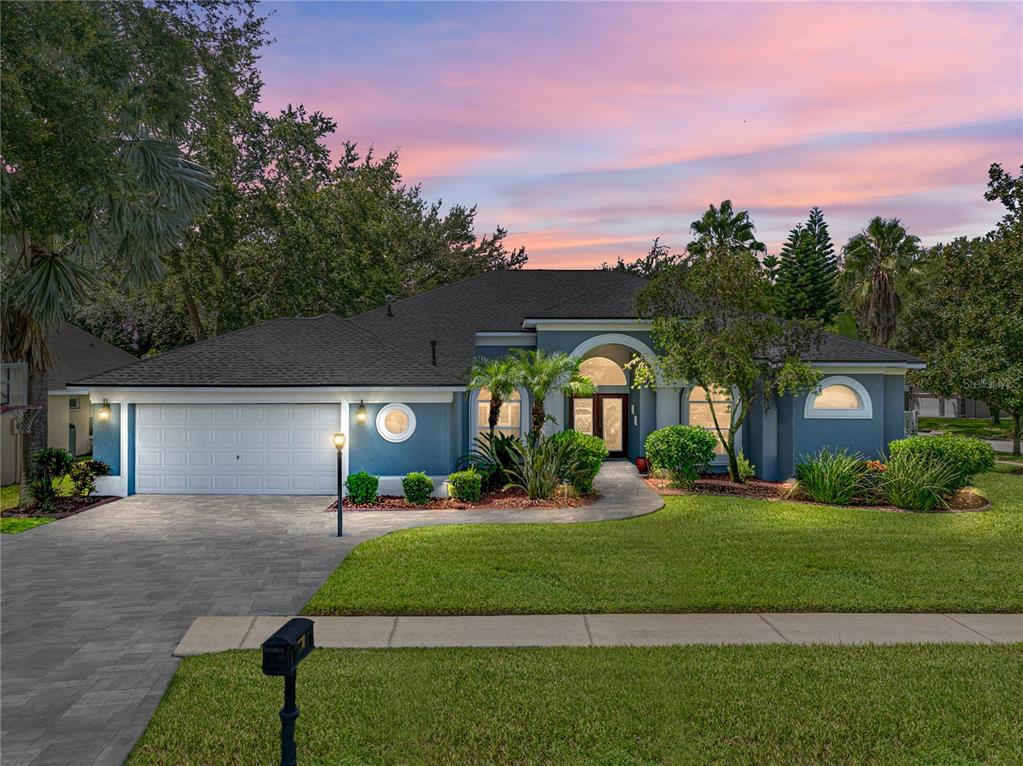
<point x="396" y="422"/>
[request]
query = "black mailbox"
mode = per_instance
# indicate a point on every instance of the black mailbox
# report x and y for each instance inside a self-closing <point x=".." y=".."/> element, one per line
<point x="287" y="647"/>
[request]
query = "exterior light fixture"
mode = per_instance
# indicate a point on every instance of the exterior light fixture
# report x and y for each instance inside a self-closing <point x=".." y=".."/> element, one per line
<point x="339" y="444"/>
<point x="104" y="411"/>
<point x="360" y="413"/>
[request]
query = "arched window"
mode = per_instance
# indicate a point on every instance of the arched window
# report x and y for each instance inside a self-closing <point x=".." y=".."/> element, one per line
<point x="838" y="397"/>
<point x="699" y="411"/>
<point x="509" y="420"/>
<point x="603" y="371"/>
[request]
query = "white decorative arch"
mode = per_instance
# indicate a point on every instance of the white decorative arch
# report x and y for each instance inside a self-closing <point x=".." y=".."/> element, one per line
<point x="618" y="339"/>
<point x="864" y="412"/>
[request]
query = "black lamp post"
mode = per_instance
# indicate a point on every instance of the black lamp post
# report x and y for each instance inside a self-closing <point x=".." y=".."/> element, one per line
<point x="339" y="442"/>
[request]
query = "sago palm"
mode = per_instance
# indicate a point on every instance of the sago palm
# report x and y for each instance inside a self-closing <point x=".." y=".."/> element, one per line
<point x="876" y="261"/>
<point x="723" y="227"/>
<point x="543" y="373"/>
<point x="500" y="377"/>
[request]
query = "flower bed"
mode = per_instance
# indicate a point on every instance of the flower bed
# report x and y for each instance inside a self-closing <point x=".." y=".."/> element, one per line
<point x="757" y="489"/>
<point x="63" y="507"/>
<point x="505" y="499"/>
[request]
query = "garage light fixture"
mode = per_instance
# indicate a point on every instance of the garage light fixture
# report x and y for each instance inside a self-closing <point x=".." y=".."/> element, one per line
<point x="104" y="411"/>
<point x="360" y="413"/>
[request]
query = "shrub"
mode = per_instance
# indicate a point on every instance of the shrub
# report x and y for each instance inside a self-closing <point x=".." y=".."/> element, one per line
<point x="831" y="477"/>
<point x="83" y="475"/>
<point x="466" y="485"/>
<point x="491" y="457"/>
<point x="682" y="451"/>
<point x="917" y="481"/>
<point x="747" y="470"/>
<point x="417" y="487"/>
<point x="48" y="463"/>
<point x="538" y="467"/>
<point x="966" y="455"/>
<point x="586" y="454"/>
<point x="362" y="488"/>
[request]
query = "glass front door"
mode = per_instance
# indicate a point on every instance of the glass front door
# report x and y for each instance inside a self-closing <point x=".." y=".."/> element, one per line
<point x="604" y="416"/>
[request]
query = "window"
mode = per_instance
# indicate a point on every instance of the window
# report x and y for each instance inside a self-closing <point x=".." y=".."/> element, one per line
<point x="603" y="372"/>
<point x="700" y="412"/>
<point x="509" y="420"/>
<point x="838" y="397"/>
<point x="72" y="403"/>
<point x="396" y="422"/>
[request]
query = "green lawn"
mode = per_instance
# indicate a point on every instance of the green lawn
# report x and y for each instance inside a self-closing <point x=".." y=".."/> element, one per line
<point x="9" y="496"/>
<point x="979" y="427"/>
<point x="611" y="706"/>
<point x="10" y="526"/>
<point x="699" y="554"/>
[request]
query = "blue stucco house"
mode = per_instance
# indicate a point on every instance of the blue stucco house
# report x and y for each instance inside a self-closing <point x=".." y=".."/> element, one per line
<point x="254" y="411"/>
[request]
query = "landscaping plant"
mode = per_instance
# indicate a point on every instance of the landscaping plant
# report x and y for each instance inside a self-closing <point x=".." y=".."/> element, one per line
<point x="538" y="466"/>
<point x="417" y="487"/>
<point x="362" y="488"/>
<point x="491" y="457"/>
<point x="747" y="470"/>
<point x="969" y="457"/>
<point x="466" y="485"/>
<point x="917" y="481"/>
<point x="49" y="463"/>
<point x="586" y="454"/>
<point x="829" y="476"/>
<point x="83" y="475"/>
<point x="682" y="451"/>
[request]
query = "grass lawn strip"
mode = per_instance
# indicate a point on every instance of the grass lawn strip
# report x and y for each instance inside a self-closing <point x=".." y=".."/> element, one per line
<point x="699" y="554"/>
<point x="982" y="428"/>
<point x="12" y="526"/>
<point x="664" y="705"/>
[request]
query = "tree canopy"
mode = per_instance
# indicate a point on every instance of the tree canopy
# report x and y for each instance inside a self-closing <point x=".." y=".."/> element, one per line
<point x="806" y="273"/>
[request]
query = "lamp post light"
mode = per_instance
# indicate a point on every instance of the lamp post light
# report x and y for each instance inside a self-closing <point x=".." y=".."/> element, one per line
<point x="339" y="443"/>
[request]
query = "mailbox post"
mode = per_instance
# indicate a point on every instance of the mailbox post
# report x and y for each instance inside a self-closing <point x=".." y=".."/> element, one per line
<point x="282" y="653"/>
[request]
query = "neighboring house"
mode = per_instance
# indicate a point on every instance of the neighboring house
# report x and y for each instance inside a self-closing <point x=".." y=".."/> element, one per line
<point x="76" y="355"/>
<point x="254" y="411"/>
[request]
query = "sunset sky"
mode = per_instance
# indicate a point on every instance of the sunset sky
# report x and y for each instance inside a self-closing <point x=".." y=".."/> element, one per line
<point x="589" y="129"/>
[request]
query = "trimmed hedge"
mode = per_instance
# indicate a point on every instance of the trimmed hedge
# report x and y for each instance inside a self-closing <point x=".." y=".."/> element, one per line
<point x="417" y="487"/>
<point x="967" y="455"/>
<point x="466" y="485"/>
<point x="682" y="451"/>
<point x="362" y="488"/>
<point x="83" y="475"/>
<point x="586" y="454"/>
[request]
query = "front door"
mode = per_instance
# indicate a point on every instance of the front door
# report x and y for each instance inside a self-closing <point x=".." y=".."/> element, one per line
<point x="603" y="415"/>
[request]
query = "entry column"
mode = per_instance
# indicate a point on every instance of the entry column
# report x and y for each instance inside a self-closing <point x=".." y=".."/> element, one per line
<point x="668" y="405"/>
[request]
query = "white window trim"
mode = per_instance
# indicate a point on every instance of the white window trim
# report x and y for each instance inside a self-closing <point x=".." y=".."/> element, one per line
<point x="476" y="426"/>
<point x="388" y="409"/>
<point x="866" y="412"/>
<point x="720" y="459"/>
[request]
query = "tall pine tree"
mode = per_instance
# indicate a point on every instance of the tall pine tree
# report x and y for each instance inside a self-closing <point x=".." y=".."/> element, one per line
<point x="806" y="273"/>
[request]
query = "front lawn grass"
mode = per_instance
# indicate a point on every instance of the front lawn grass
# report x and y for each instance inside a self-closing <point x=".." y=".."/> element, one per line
<point x="612" y="706"/>
<point x="699" y="554"/>
<point x="12" y="526"/>
<point x="982" y="428"/>
<point x="9" y="496"/>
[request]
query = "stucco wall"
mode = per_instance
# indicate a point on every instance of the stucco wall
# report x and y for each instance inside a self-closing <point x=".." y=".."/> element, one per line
<point x="106" y="438"/>
<point x="429" y="449"/>
<point x="59" y="418"/>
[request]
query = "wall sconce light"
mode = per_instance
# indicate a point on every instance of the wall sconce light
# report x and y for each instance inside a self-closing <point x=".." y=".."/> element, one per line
<point x="104" y="411"/>
<point x="360" y="413"/>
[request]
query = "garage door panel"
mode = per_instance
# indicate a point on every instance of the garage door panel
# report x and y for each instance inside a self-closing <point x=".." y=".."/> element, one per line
<point x="235" y="448"/>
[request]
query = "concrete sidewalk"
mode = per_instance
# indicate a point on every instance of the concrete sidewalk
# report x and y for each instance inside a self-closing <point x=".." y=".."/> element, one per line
<point x="216" y="634"/>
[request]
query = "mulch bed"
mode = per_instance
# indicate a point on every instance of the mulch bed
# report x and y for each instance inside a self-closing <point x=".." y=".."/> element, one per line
<point x="506" y="499"/>
<point x="964" y="500"/>
<point x="65" y="506"/>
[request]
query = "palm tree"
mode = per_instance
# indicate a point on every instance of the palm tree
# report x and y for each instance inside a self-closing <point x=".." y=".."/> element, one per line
<point x="127" y="233"/>
<point x="541" y="373"/>
<point x="722" y="226"/>
<point x="876" y="261"/>
<point x="500" y="377"/>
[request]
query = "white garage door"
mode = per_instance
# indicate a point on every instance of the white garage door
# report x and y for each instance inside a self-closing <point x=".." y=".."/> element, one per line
<point x="274" y="449"/>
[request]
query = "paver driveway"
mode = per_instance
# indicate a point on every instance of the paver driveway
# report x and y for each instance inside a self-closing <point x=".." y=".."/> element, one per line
<point x="94" y="605"/>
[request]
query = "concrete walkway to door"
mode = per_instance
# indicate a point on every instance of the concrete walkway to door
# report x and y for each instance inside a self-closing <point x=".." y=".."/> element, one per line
<point x="95" y="604"/>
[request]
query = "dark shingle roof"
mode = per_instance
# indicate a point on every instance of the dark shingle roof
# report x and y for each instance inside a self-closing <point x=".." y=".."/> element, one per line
<point x="313" y="351"/>
<point x="78" y="354"/>
<point x="374" y="349"/>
